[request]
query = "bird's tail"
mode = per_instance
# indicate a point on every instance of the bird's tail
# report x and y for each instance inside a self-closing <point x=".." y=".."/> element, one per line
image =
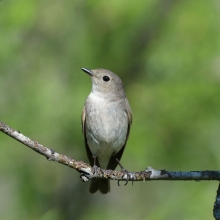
<point x="103" y="185"/>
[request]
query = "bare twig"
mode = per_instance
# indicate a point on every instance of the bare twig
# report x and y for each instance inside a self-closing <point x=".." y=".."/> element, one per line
<point x="87" y="172"/>
<point x="216" y="210"/>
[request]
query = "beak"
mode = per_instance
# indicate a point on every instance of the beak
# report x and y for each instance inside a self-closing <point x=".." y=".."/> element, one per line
<point x="88" y="71"/>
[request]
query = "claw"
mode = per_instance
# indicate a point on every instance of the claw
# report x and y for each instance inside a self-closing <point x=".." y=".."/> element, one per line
<point x="126" y="179"/>
<point x="126" y="182"/>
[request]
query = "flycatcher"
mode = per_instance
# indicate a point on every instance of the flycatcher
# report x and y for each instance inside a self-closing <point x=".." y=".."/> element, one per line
<point x="106" y="122"/>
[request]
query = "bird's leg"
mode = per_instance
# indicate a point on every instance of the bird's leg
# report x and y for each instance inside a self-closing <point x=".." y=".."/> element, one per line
<point x="94" y="165"/>
<point x="122" y="170"/>
<point x="94" y="159"/>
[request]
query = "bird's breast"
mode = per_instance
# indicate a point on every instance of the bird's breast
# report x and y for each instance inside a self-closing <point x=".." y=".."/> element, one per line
<point x="106" y="123"/>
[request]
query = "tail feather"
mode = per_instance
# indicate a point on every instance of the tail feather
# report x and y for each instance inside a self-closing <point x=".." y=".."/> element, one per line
<point x="103" y="185"/>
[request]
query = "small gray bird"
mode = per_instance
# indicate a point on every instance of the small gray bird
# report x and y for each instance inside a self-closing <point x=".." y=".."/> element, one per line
<point x="106" y="122"/>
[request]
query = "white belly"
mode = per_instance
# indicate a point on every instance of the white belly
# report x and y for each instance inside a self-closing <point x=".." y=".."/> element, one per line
<point x="106" y="128"/>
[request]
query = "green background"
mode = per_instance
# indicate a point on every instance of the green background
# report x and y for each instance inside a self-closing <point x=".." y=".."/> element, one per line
<point x="166" y="52"/>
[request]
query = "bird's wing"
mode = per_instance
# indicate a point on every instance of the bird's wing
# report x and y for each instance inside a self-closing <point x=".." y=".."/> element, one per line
<point x="83" y="122"/>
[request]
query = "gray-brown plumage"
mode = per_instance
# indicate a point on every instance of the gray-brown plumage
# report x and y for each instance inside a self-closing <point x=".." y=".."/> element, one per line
<point x="106" y="121"/>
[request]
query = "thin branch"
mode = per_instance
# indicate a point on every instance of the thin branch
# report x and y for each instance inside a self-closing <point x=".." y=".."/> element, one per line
<point x="87" y="172"/>
<point x="216" y="210"/>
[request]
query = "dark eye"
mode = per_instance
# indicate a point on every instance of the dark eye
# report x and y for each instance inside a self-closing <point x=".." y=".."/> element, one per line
<point x="106" y="78"/>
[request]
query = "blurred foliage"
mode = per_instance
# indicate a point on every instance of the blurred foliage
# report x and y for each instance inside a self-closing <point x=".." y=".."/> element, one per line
<point x="168" y="55"/>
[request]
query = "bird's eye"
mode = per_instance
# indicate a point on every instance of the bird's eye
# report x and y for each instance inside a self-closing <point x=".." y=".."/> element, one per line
<point x="106" y="78"/>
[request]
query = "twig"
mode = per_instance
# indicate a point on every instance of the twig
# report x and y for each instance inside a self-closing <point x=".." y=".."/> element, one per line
<point x="216" y="210"/>
<point x="87" y="172"/>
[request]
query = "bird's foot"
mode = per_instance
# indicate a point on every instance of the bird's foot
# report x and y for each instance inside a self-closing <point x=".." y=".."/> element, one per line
<point x="84" y="176"/>
<point x="127" y="174"/>
<point x="96" y="170"/>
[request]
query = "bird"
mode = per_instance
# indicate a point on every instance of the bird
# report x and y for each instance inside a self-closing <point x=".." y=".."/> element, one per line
<point x="106" y="121"/>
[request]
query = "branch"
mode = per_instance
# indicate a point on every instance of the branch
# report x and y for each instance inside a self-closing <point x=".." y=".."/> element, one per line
<point x="87" y="172"/>
<point x="216" y="210"/>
